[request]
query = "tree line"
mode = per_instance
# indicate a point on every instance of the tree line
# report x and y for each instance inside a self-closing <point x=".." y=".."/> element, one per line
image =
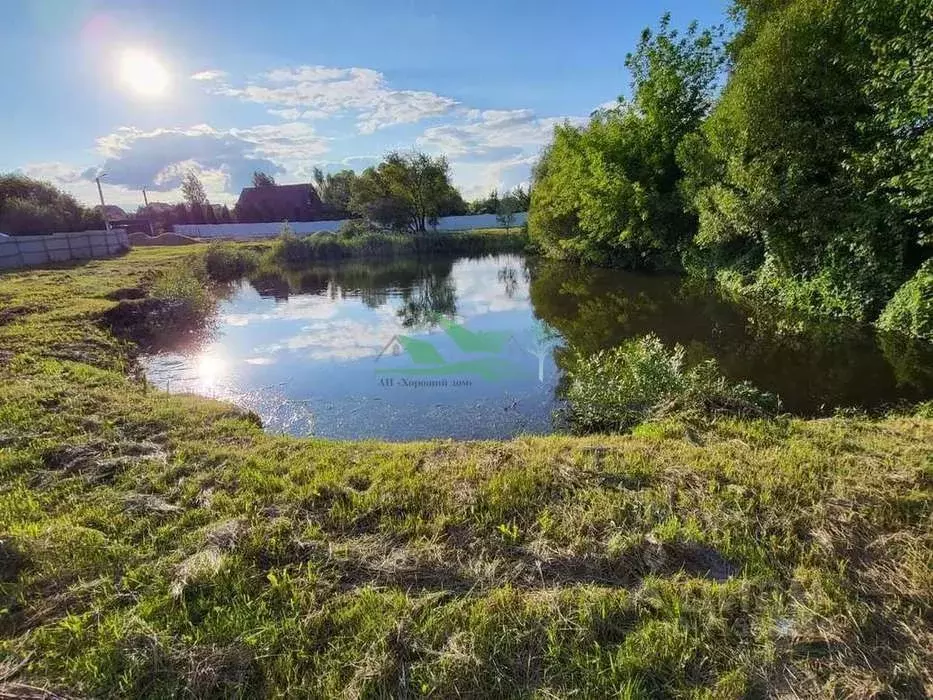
<point x="30" y="206"/>
<point x="405" y="192"/>
<point x="792" y="158"/>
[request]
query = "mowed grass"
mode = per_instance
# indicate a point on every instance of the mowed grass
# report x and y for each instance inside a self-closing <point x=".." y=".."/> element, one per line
<point x="158" y="545"/>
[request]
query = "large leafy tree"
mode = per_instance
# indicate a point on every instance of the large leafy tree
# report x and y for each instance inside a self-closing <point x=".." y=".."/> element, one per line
<point x="899" y="160"/>
<point x="335" y="189"/>
<point x="817" y="154"/>
<point x="769" y="166"/>
<point x="29" y="206"/>
<point x="404" y="192"/>
<point x="609" y="192"/>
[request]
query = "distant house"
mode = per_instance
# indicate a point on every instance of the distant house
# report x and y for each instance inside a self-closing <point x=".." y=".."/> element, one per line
<point x="278" y="203"/>
<point x="137" y="225"/>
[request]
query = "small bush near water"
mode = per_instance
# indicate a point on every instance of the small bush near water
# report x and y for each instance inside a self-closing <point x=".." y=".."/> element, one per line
<point x="910" y="310"/>
<point x="615" y="390"/>
<point x="225" y="262"/>
<point x="179" y="302"/>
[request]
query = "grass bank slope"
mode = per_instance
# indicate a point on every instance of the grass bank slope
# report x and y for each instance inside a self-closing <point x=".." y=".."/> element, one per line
<point x="156" y="545"/>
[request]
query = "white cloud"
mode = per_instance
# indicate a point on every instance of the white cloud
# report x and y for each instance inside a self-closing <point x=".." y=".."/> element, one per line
<point x="476" y="296"/>
<point x="341" y="338"/>
<point x="226" y="159"/>
<point x="290" y="114"/>
<point x="284" y="143"/>
<point x="310" y="307"/>
<point x="158" y="159"/>
<point x="209" y="75"/>
<point x="492" y="131"/>
<point x="487" y="148"/>
<point x="73" y="181"/>
<point x="324" y="91"/>
<point x="493" y="148"/>
<point x="610" y="105"/>
<point x="476" y="178"/>
<point x="53" y="171"/>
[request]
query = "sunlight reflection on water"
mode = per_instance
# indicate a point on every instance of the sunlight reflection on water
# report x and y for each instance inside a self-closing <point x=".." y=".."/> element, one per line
<point x="475" y="348"/>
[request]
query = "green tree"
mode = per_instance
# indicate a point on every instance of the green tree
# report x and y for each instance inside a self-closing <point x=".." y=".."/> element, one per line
<point x="403" y="192"/>
<point x="509" y="206"/>
<point x="261" y="179"/>
<point x="193" y="190"/>
<point x="610" y="192"/>
<point x="813" y="160"/>
<point x="197" y="213"/>
<point x="522" y="197"/>
<point x="29" y="206"/>
<point x="899" y="160"/>
<point x="453" y="204"/>
<point x="488" y="205"/>
<point x="335" y="190"/>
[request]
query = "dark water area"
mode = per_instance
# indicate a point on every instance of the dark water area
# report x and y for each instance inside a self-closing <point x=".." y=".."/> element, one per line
<point x="476" y="348"/>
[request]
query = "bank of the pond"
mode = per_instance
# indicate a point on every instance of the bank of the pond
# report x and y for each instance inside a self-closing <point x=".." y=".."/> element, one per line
<point x="158" y="545"/>
<point x="290" y="249"/>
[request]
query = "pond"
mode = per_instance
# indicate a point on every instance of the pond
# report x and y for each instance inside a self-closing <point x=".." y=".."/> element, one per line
<point x="475" y="348"/>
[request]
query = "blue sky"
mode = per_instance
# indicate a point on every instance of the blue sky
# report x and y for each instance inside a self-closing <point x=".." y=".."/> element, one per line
<point x="286" y="86"/>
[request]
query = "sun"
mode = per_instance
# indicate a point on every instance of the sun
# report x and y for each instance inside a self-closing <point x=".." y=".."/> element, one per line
<point x="143" y="73"/>
<point x="211" y="370"/>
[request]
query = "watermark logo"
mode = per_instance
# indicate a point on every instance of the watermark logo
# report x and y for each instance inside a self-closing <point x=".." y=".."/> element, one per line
<point x="457" y="355"/>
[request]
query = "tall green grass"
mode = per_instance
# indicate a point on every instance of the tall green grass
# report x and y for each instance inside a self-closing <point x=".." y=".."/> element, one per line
<point x="163" y="545"/>
<point x="225" y="262"/>
<point x="290" y="249"/>
<point x="184" y="290"/>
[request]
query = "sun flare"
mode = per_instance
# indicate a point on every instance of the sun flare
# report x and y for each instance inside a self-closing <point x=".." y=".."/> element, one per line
<point x="211" y="370"/>
<point x="143" y="73"/>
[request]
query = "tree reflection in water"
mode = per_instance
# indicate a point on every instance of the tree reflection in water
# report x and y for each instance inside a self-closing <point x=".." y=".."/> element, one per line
<point x="813" y="367"/>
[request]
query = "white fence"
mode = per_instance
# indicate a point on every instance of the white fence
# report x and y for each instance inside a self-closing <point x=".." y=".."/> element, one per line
<point x="22" y="251"/>
<point x="269" y="230"/>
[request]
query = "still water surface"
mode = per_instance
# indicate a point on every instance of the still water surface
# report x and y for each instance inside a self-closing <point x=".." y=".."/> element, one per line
<point x="474" y="348"/>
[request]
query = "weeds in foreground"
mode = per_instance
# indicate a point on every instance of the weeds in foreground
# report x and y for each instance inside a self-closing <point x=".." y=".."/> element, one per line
<point x="156" y="545"/>
<point x="615" y="390"/>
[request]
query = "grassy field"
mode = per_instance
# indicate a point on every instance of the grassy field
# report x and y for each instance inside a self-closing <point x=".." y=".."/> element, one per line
<point x="156" y="545"/>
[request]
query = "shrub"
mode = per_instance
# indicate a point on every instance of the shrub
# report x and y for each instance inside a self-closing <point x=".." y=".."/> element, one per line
<point x="355" y="228"/>
<point x="226" y="261"/>
<point x="614" y="390"/>
<point x="288" y="248"/>
<point x="910" y="310"/>
<point x="184" y="291"/>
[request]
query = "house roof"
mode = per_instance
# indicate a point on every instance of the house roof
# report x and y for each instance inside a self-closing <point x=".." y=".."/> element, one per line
<point x="281" y="197"/>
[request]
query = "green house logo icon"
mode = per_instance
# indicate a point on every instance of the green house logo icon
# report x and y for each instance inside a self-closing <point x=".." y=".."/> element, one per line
<point x="476" y="353"/>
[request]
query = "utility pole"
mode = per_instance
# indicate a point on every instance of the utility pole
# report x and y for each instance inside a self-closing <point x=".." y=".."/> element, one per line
<point x="103" y="207"/>
<point x="148" y="213"/>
